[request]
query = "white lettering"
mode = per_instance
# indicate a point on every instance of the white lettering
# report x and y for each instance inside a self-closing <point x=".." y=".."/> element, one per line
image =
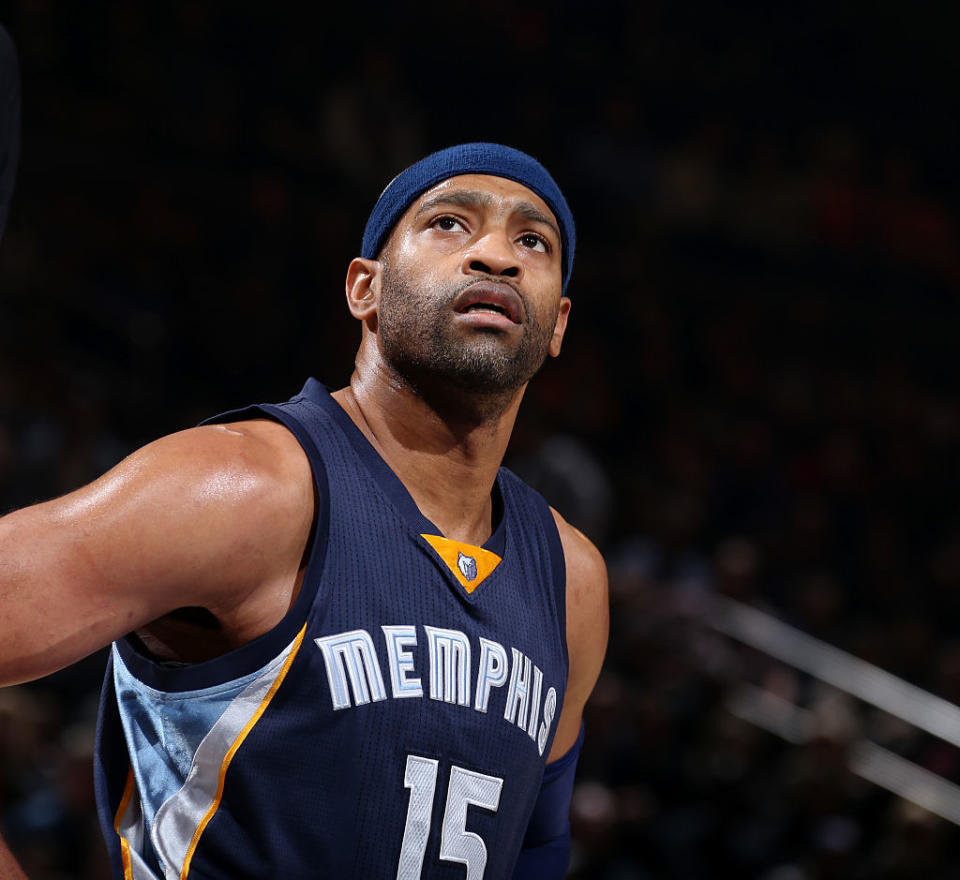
<point x="355" y="675"/>
<point x="549" y="710"/>
<point x="449" y="665"/>
<point x="398" y="639"/>
<point x="352" y="655"/>
<point x="517" y="696"/>
<point x="492" y="672"/>
<point x="535" y="703"/>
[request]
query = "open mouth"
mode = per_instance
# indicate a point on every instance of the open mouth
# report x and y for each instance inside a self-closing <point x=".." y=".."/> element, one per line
<point x="491" y="298"/>
<point x="487" y="307"/>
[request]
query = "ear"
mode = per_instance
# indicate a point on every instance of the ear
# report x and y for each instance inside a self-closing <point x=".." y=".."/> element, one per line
<point x="560" y="327"/>
<point x="363" y="287"/>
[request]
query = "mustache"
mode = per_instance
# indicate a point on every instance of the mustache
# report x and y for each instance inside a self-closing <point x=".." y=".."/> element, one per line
<point x="493" y="279"/>
<point x="450" y="295"/>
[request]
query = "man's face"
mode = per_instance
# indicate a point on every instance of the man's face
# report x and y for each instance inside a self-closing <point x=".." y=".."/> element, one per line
<point x="471" y="289"/>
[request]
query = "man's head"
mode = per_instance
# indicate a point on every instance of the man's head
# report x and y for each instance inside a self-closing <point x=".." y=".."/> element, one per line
<point x="476" y="158"/>
<point x="464" y="267"/>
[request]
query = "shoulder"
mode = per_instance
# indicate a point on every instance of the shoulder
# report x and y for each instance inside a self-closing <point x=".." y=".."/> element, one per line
<point x="251" y="475"/>
<point x="216" y="517"/>
<point x="232" y="465"/>
<point x="586" y="569"/>
<point x="200" y="512"/>
<point x="258" y="448"/>
<point x="588" y="617"/>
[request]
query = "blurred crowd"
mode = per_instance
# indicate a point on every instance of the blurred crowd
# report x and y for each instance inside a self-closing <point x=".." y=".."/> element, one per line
<point x="757" y="397"/>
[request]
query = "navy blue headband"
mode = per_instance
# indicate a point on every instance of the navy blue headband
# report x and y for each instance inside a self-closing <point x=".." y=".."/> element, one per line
<point x="478" y="158"/>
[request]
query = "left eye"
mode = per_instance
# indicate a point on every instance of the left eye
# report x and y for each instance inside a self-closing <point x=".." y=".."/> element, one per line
<point x="448" y="224"/>
<point x="534" y="242"/>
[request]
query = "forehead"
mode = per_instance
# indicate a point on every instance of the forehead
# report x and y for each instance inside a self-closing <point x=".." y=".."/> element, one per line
<point x="504" y="193"/>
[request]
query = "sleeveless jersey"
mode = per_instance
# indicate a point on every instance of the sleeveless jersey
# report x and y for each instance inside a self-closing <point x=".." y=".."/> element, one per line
<point x="394" y="724"/>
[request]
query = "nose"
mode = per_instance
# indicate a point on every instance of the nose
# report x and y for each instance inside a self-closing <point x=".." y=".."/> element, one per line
<point x="492" y="254"/>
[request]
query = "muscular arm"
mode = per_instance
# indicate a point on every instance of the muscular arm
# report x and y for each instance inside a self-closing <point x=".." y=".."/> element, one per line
<point x="215" y="517"/>
<point x="546" y="847"/>
<point x="588" y="625"/>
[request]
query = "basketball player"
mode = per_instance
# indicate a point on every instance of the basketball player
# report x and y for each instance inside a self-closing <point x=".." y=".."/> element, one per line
<point x="9" y="122"/>
<point x="346" y="642"/>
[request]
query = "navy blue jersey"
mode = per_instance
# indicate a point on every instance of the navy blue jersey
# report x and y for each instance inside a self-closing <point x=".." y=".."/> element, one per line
<point x="394" y="724"/>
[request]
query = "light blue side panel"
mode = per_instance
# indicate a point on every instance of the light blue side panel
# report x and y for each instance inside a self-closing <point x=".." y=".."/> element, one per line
<point x="163" y="731"/>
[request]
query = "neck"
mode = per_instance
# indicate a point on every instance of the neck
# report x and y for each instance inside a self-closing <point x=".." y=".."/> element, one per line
<point x="445" y="448"/>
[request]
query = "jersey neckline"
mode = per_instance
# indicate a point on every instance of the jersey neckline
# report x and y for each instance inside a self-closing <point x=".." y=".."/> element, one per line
<point x="389" y="482"/>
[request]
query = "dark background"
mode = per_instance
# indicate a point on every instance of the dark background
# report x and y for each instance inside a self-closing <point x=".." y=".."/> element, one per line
<point x="757" y="396"/>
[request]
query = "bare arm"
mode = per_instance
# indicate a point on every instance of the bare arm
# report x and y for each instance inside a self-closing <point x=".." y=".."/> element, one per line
<point x="212" y="517"/>
<point x="588" y="625"/>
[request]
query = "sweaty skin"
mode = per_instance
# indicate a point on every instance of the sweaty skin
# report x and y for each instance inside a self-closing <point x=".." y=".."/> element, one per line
<point x="219" y="518"/>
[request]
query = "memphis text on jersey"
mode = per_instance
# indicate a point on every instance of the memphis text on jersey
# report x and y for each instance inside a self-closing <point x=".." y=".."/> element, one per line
<point x="354" y="671"/>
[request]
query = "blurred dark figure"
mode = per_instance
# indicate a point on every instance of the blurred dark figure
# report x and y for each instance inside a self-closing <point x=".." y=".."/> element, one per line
<point x="9" y="122"/>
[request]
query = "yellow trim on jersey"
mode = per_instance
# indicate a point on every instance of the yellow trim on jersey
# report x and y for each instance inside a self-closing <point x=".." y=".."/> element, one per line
<point x="233" y="750"/>
<point x="118" y="818"/>
<point x="450" y="552"/>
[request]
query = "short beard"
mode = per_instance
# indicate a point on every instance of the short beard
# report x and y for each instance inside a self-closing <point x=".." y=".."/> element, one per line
<point x="419" y="343"/>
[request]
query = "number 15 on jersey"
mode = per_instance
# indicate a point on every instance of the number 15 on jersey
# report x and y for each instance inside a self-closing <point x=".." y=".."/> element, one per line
<point x="466" y="788"/>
